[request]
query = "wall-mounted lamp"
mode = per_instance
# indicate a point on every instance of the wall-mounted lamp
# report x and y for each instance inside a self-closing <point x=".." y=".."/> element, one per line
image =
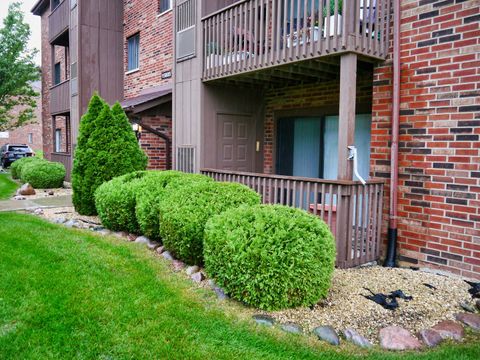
<point x="137" y="129"/>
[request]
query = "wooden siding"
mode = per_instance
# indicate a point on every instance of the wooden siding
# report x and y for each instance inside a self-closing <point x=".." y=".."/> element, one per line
<point x="256" y="34"/>
<point x="60" y="98"/>
<point x="58" y="20"/>
<point x="352" y="211"/>
<point x="66" y="160"/>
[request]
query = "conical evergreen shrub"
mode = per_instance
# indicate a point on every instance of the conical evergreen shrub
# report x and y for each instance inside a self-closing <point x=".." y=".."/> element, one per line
<point x="87" y="125"/>
<point x="111" y="150"/>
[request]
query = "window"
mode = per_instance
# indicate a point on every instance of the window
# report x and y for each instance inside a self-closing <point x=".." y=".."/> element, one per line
<point x="30" y="138"/>
<point x="133" y="52"/>
<point x="164" y="5"/>
<point x="55" y="3"/>
<point x="57" y="74"/>
<point x="58" y="140"/>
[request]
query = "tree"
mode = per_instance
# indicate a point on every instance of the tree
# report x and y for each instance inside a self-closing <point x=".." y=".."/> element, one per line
<point x="17" y="71"/>
<point x="110" y="150"/>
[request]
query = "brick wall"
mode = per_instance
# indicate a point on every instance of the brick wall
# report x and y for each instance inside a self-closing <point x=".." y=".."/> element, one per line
<point x="324" y="94"/>
<point x="156" y="45"/>
<point x="153" y="145"/>
<point x="62" y="124"/>
<point x="439" y="156"/>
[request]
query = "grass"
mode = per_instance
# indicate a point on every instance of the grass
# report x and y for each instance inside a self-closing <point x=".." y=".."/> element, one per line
<point x="7" y="186"/>
<point x="71" y="294"/>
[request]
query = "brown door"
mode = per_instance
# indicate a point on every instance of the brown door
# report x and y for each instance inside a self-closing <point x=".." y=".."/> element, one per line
<point x="235" y="142"/>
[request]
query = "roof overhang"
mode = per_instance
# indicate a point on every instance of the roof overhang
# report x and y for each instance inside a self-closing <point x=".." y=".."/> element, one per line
<point x="40" y="7"/>
<point x="148" y="100"/>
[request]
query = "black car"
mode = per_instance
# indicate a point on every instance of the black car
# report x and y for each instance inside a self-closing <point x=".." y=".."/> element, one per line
<point x="11" y="152"/>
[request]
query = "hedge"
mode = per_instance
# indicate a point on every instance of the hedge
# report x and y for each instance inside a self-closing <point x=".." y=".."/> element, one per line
<point x="153" y="191"/>
<point x="43" y="174"/>
<point x="270" y="256"/>
<point x="185" y="210"/>
<point x="17" y="165"/>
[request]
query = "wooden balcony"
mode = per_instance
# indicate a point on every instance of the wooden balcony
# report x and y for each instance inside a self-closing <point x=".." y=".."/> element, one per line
<point x="352" y="211"/>
<point x="257" y="34"/>
<point x="58" y="23"/>
<point x="60" y="98"/>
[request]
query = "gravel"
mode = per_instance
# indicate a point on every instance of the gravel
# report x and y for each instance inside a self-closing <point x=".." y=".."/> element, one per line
<point x="345" y="307"/>
<point x="69" y="213"/>
<point x="43" y="193"/>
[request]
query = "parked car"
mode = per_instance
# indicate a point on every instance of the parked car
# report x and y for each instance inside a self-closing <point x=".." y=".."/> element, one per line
<point x="11" y="152"/>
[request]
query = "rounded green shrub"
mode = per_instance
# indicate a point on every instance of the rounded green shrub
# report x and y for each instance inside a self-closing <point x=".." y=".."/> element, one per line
<point x="270" y="256"/>
<point x="115" y="202"/>
<point x="43" y="174"/>
<point x="17" y="165"/>
<point x="186" y="209"/>
<point x="152" y="193"/>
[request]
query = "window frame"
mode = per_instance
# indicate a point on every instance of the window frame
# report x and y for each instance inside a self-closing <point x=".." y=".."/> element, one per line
<point x="58" y="66"/>
<point x="160" y="11"/>
<point x="137" y="48"/>
<point x="58" y="140"/>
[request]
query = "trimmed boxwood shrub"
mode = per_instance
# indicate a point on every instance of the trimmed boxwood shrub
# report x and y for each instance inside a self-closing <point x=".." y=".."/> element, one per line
<point x="17" y="165"/>
<point x="43" y="174"/>
<point x="270" y="256"/>
<point x="115" y="202"/>
<point x="152" y="193"/>
<point x="186" y="209"/>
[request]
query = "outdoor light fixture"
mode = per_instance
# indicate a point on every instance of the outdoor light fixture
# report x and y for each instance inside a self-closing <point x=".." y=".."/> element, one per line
<point x="137" y="129"/>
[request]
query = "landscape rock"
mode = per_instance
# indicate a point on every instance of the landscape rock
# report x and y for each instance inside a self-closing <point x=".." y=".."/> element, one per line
<point x="292" y="328"/>
<point x="97" y="228"/>
<point x="467" y="307"/>
<point x="430" y="337"/>
<point x="152" y="245"/>
<point x="397" y="338"/>
<point x="220" y="293"/>
<point x="472" y="320"/>
<point x="19" y="197"/>
<point x="120" y="234"/>
<point x="26" y="189"/>
<point x="263" y="319"/>
<point x="71" y="223"/>
<point x="104" y="232"/>
<point x="160" y="250"/>
<point x="198" y="277"/>
<point x="178" y="265"/>
<point x="167" y="255"/>
<point x="192" y="270"/>
<point x="142" y="240"/>
<point x="449" y="329"/>
<point x="50" y="192"/>
<point x="59" y="220"/>
<point x="328" y="334"/>
<point x="131" y="237"/>
<point x="355" y="338"/>
<point x="211" y="283"/>
<point x="477" y="304"/>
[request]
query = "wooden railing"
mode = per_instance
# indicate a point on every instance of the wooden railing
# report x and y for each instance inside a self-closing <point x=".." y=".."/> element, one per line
<point x="60" y="98"/>
<point x="352" y="211"/>
<point x="58" y="20"/>
<point x="256" y="34"/>
<point x="66" y="160"/>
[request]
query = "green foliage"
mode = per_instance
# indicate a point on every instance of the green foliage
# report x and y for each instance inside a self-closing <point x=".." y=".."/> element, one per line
<point x="332" y="8"/>
<point x="17" y="71"/>
<point x="43" y="174"/>
<point x="152" y="194"/>
<point x="108" y="148"/>
<point x="17" y="165"/>
<point x="186" y="209"/>
<point x="270" y="256"/>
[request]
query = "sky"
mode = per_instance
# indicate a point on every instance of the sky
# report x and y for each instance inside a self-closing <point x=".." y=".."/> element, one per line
<point x="32" y="20"/>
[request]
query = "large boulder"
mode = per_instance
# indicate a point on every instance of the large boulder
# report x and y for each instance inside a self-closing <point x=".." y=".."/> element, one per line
<point x="26" y="189"/>
<point x="397" y="338"/>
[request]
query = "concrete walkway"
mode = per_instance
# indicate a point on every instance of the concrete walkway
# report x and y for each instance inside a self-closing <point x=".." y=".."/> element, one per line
<point x="47" y="202"/>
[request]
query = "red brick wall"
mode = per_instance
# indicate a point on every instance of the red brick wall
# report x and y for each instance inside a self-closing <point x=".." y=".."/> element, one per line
<point x="439" y="156"/>
<point x="156" y="45"/>
<point x="154" y="146"/>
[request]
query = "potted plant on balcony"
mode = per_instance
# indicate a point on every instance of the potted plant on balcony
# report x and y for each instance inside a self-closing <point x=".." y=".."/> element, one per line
<point x="330" y="29"/>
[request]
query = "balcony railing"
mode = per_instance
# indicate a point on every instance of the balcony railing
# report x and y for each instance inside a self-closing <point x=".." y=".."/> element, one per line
<point x="352" y="211"/>
<point x="256" y="34"/>
<point x="60" y="98"/>
<point x="66" y="160"/>
<point x="58" y="20"/>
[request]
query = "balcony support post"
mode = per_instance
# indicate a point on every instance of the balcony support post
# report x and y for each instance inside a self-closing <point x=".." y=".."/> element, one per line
<point x="346" y="137"/>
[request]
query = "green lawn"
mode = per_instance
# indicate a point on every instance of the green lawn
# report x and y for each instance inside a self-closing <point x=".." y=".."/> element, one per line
<point x="7" y="186"/>
<point x="70" y="294"/>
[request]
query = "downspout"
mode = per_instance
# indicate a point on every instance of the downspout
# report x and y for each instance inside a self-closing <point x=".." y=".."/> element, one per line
<point x="392" y="225"/>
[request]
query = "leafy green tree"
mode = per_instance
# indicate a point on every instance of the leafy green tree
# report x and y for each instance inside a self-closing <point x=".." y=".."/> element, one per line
<point x="111" y="150"/>
<point x="17" y="71"/>
<point x="87" y="125"/>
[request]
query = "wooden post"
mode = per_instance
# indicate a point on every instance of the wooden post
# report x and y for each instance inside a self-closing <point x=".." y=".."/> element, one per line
<point x="346" y="137"/>
<point x="346" y="126"/>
